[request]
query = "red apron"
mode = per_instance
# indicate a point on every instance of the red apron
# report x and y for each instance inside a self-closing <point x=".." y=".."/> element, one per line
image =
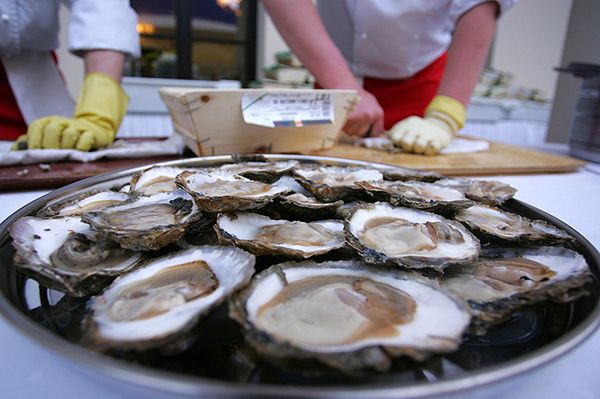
<point x="12" y="124"/>
<point x="401" y="98"/>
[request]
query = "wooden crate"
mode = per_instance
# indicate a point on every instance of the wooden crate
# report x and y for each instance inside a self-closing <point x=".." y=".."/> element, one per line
<point x="211" y="122"/>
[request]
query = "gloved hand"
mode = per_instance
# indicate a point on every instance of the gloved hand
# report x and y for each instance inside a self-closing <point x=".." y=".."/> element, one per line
<point x="98" y="113"/>
<point x="444" y="116"/>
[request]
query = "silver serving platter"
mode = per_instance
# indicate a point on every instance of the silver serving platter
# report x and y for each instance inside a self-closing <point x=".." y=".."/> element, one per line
<point x="578" y="321"/>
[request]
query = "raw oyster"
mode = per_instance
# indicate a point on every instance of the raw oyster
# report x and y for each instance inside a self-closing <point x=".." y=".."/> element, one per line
<point x="344" y="210"/>
<point x="264" y="236"/>
<point x="81" y="203"/>
<point x="408" y="237"/>
<point x="302" y="205"/>
<point x="332" y="183"/>
<point x="263" y="171"/>
<point x="398" y="173"/>
<point x="155" y="180"/>
<point x="347" y="315"/>
<point x="292" y="185"/>
<point x="158" y="303"/>
<point x="495" y="224"/>
<point x="65" y="254"/>
<point x="509" y="278"/>
<point x="427" y="196"/>
<point x="219" y="191"/>
<point x="146" y="223"/>
<point x="487" y="191"/>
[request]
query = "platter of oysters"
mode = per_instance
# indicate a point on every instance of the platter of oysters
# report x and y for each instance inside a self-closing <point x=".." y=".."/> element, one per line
<point x="259" y="275"/>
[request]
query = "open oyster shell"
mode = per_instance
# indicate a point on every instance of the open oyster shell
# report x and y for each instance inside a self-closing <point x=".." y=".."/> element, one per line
<point x="487" y="191"/>
<point x="426" y="196"/>
<point x="155" y="180"/>
<point x="81" y="203"/>
<point x="408" y="237"/>
<point x="262" y="171"/>
<point x="307" y="206"/>
<point x="507" y="279"/>
<point x="494" y="224"/>
<point x="220" y="191"/>
<point x="158" y="303"/>
<point x="264" y="236"/>
<point x="146" y="223"/>
<point x="65" y="254"/>
<point x="332" y="183"/>
<point x="347" y="315"/>
<point x="398" y="173"/>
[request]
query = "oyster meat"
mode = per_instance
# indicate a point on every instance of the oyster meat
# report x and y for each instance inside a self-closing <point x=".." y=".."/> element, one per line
<point x="306" y="207"/>
<point x="65" y="254"/>
<point x="382" y="233"/>
<point x="158" y="303"/>
<point x="220" y="191"/>
<point x="264" y="236"/>
<point x="495" y="224"/>
<point x="398" y="173"/>
<point x="81" y="203"/>
<point x="347" y="315"/>
<point x="420" y="195"/>
<point x="332" y="183"/>
<point x="506" y="279"/>
<point x="263" y="171"/>
<point x="487" y="191"/>
<point x="146" y="223"/>
<point x="155" y="180"/>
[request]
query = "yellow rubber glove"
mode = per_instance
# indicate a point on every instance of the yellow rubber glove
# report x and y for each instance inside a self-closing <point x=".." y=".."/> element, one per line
<point x="99" y="111"/>
<point x="444" y="116"/>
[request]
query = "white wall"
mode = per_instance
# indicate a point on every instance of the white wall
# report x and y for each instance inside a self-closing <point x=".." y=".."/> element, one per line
<point x="269" y="41"/>
<point x="529" y="42"/>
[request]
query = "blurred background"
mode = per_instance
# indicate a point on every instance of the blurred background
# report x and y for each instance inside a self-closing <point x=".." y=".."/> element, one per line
<point x="520" y="98"/>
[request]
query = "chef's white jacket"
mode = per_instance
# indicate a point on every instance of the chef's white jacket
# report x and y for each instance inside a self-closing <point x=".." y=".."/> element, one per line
<point x="29" y="31"/>
<point x="394" y="39"/>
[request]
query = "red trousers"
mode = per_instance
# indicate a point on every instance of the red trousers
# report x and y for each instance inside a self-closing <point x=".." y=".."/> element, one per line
<point x="12" y="124"/>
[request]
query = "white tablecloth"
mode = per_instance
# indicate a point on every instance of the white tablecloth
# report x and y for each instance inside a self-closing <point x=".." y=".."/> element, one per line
<point x="30" y="371"/>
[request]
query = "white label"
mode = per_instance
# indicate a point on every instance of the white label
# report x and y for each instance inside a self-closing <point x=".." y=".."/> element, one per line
<point x="288" y="109"/>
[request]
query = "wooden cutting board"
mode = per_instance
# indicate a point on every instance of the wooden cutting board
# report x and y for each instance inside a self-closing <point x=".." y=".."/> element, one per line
<point x="500" y="159"/>
<point x="33" y="177"/>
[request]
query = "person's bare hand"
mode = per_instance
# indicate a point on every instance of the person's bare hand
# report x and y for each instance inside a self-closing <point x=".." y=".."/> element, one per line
<point x="367" y="117"/>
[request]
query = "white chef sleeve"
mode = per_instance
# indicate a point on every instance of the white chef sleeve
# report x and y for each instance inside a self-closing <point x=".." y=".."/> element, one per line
<point x="459" y="7"/>
<point x="103" y="25"/>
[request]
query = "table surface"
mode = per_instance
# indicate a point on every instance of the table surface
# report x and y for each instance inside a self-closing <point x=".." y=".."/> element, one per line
<point x="28" y="370"/>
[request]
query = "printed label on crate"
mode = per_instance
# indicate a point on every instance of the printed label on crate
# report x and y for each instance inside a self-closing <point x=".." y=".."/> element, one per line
<point x="288" y="109"/>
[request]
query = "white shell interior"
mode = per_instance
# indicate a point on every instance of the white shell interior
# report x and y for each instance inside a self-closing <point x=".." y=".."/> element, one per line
<point x="157" y="180"/>
<point x="246" y="226"/>
<point x="336" y="176"/>
<point x="564" y="262"/>
<point x="423" y="191"/>
<point x="204" y="183"/>
<point x="232" y="266"/>
<point x="93" y="202"/>
<point x="160" y="198"/>
<point x="52" y="234"/>
<point x="438" y="317"/>
<point x="444" y="249"/>
<point x="276" y="167"/>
